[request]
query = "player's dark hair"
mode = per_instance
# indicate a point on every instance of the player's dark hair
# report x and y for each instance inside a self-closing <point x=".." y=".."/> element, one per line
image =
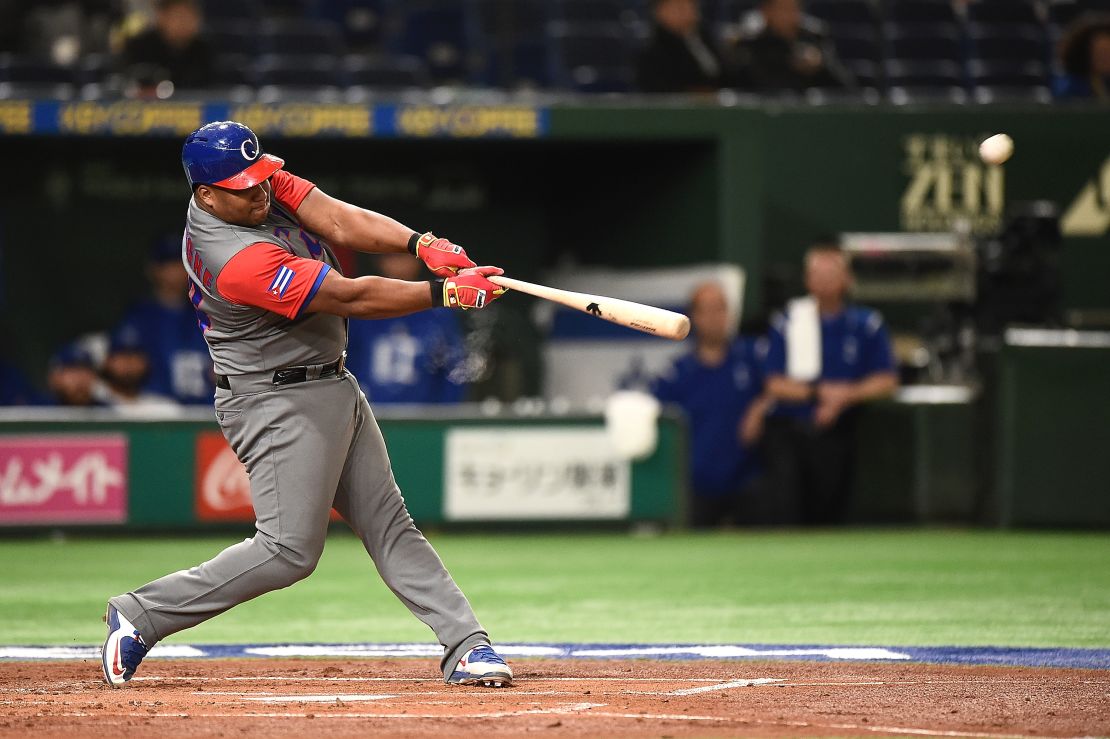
<point x="825" y="243"/>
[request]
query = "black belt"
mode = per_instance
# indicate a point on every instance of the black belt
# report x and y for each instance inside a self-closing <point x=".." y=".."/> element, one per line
<point x="292" y="375"/>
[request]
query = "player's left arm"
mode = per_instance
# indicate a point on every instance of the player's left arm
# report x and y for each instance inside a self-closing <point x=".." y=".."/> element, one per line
<point x="349" y="226"/>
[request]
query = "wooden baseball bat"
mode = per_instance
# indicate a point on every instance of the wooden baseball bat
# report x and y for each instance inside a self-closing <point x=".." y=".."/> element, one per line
<point x="646" y="318"/>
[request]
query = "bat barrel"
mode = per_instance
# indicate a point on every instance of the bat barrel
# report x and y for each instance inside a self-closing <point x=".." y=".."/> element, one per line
<point x="646" y="318"/>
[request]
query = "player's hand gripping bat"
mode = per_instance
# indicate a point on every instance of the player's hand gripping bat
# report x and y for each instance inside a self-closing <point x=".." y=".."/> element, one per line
<point x="646" y="318"/>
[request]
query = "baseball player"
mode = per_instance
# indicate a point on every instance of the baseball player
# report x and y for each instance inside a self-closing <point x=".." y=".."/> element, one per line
<point x="273" y="305"/>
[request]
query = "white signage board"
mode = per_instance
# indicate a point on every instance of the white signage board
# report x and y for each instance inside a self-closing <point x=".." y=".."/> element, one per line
<point x="513" y="473"/>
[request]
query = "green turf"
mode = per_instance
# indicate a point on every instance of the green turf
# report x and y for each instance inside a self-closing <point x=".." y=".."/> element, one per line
<point x="858" y="587"/>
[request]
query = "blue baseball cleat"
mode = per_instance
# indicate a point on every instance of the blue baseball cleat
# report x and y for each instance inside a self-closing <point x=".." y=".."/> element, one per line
<point x="482" y="666"/>
<point x="123" y="650"/>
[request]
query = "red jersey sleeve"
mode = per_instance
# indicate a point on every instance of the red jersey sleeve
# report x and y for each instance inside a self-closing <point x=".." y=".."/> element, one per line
<point x="266" y="276"/>
<point x="289" y="189"/>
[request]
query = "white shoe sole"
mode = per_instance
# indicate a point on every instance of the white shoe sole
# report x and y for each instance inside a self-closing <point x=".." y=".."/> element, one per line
<point x="488" y="681"/>
<point x="104" y="651"/>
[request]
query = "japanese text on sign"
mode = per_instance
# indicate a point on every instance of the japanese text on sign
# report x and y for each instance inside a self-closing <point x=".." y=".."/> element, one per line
<point x="509" y="473"/>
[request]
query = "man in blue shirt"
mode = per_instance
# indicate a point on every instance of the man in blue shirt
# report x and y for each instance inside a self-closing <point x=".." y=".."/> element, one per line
<point x="810" y="440"/>
<point x="418" y="358"/>
<point x="719" y="385"/>
<point x="166" y="326"/>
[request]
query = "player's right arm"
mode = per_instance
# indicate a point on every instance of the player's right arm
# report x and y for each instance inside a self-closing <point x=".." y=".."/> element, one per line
<point x="371" y="297"/>
<point x="264" y="275"/>
<point x="381" y="297"/>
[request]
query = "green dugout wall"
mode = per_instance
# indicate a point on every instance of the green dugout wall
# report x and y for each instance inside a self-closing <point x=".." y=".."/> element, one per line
<point x="166" y="461"/>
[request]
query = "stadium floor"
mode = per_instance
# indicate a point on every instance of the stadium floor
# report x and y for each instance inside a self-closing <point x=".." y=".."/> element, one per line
<point x="554" y="697"/>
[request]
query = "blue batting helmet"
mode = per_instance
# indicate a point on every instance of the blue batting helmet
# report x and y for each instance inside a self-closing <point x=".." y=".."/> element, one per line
<point x="226" y="154"/>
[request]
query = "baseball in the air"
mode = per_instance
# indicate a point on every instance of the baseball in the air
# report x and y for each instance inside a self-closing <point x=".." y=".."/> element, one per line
<point x="996" y="149"/>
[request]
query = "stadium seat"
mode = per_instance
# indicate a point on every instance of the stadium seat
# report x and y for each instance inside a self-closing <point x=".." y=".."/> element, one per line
<point x="1003" y="11"/>
<point x="229" y="70"/>
<point x="865" y="72"/>
<point x="525" y="63"/>
<point x="857" y="42"/>
<point x="361" y="21"/>
<point x="300" y="71"/>
<point x="924" y="41"/>
<point x="221" y="11"/>
<point x="28" y="70"/>
<point x="234" y="37"/>
<point x="594" y="58"/>
<point x="301" y="38"/>
<point x="921" y="11"/>
<point x="508" y="21"/>
<point x="1019" y="43"/>
<point x="927" y="95"/>
<point x="290" y="9"/>
<point x="1063" y="12"/>
<point x="1007" y="73"/>
<point x="985" y="95"/>
<point x="726" y="11"/>
<point x="33" y="90"/>
<point x="441" y="35"/>
<point x="389" y="73"/>
<point x="922" y="74"/>
<point x="93" y="69"/>
<point x="26" y="77"/>
<point x="843" y="11"/>
<point x="589" y="11"/>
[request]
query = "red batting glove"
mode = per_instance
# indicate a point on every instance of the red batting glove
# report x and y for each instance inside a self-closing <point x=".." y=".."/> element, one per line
<point x="441" y="256"/>
<point x="470" y="288"/>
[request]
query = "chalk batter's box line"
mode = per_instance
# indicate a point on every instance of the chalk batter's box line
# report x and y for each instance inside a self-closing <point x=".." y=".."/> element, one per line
<point x="983" y="656"/>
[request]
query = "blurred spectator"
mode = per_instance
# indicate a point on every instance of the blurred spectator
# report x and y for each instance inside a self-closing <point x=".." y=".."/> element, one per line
<point x="416" y="358"/>
<point x="784" y="50"/>
<point x="72" y="377"/>
<point x="680" y="56"/>
<point x="719" y="385"/>
<point x="846" y="351"/>
<point x="61" y="31"/>
<point x="172" y="50"/>
<point x="1085" y="57"/>
<point x="180" y="365"/>
<point x="125" y="372"/>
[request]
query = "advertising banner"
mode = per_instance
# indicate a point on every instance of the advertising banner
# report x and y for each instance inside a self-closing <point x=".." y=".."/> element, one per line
<point x="63" y="479"/>
<point x="514" y="473"/>
<point x="223" y="490"/>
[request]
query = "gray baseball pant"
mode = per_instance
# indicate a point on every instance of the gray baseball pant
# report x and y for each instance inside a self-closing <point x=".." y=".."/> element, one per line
<point x="308" y="447"/>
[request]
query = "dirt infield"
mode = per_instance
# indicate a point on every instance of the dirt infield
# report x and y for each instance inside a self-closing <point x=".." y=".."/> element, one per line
<point x="402" y="698"/>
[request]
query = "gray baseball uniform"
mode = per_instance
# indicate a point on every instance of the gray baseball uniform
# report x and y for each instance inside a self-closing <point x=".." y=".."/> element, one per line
<point x="307" y="446"/>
